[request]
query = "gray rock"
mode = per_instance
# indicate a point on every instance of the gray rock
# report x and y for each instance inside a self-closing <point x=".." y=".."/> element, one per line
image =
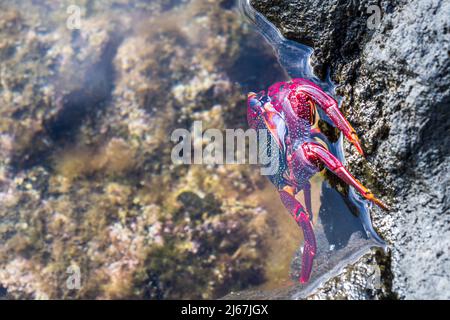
<point x="396" y="82"/>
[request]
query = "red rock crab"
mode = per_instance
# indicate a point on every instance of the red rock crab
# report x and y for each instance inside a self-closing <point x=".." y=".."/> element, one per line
<point x="288" y="113"/>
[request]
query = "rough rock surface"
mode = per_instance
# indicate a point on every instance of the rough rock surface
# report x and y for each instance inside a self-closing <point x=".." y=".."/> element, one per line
<point x="396" y="82"/>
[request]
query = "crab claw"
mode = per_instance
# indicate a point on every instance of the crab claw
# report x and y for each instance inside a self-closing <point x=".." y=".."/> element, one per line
<point x="342" y="124"/>
<point x="330" y="106"/>
<point x="304" y="221"/>
<point x="317" y="153"/>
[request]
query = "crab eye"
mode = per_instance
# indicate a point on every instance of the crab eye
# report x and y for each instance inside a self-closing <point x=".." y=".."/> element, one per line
<point x="253" y="101"/>
<point x="265" y="99"/>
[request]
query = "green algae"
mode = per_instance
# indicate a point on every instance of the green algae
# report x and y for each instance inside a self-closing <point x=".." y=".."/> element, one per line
<point x="96" y="188"/>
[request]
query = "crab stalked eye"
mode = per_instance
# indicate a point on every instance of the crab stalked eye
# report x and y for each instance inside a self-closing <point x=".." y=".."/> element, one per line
<point x="253" y="101"/>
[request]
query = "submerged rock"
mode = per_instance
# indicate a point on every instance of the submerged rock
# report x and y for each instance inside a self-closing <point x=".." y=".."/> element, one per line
<point x="395" y="77"/>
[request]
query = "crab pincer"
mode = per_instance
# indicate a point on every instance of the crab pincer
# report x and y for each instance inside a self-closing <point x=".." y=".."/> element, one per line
<point x="302" y="87"/>
<point x="318" y="154"/>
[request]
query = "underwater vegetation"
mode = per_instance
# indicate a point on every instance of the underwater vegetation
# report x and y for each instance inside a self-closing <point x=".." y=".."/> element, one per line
<point x="86" y="177"/>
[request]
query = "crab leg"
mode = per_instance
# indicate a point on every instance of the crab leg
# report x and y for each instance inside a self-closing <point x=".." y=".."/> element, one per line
<point x="303" y="220"/>
<point x="316" y="153"/>
<point x="307" y="193"/>
<point x="330" y="106"/>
